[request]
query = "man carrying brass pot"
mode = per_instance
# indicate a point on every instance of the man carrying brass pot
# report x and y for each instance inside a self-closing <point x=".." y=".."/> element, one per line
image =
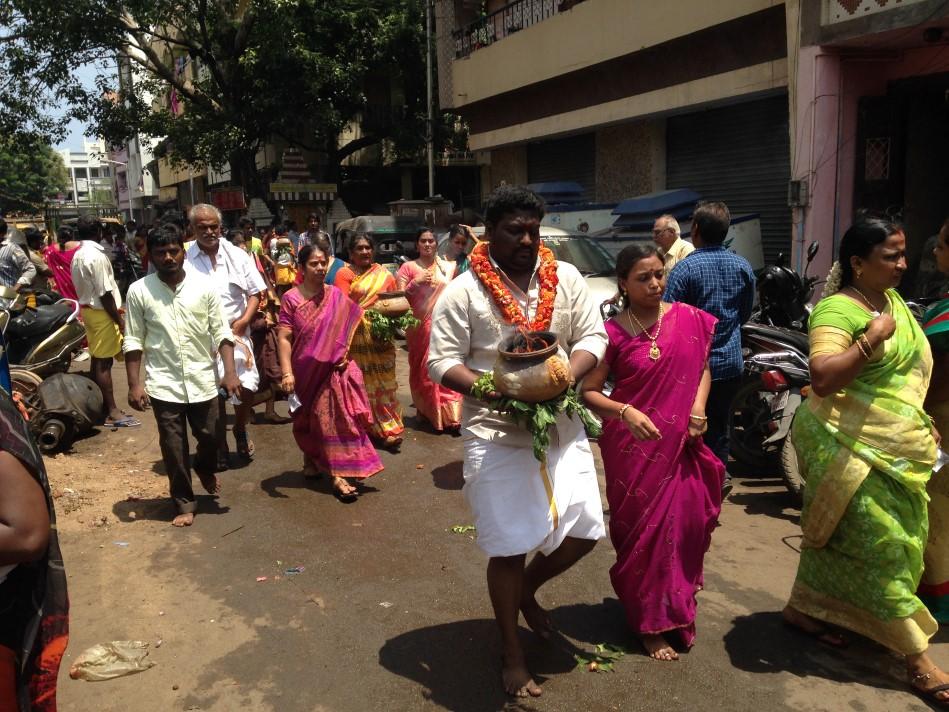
<point x="520" y="505"/>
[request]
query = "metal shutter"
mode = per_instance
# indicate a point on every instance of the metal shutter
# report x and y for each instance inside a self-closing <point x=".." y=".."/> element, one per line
<point x="564" y="159"/>
<point x="741" y="155"/>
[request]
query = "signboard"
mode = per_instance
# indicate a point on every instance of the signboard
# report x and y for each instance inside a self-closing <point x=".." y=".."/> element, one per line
<point x="228" y="199"/>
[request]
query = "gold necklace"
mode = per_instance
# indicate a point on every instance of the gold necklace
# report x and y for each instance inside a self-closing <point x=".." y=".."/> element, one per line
<point x="654" y="352"/>
<point x="873" y="309"/>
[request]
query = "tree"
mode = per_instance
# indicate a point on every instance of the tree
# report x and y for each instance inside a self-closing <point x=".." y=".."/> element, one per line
<point x="30" y="173"/>
<point x="240" y="72"/>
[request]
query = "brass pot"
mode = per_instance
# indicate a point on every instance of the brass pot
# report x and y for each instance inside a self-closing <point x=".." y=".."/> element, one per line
<point x="533" y="376"/>
<point x="393" y="304"/>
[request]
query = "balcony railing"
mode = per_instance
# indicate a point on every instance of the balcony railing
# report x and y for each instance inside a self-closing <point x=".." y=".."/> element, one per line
<point x="513" y="17"/>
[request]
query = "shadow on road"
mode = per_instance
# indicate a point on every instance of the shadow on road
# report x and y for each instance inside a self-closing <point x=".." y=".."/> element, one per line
<point x="771" y="504"/>
<point x="458" y="664"/>
<point x="161" y="509"/>
<point x="761" y="643"/>
<point x="294" y="479"/>
<point x="593" y="623"/>
<point x="449" y="477"/>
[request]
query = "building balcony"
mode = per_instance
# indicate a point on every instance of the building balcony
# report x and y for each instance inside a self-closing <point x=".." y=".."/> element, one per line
<point x="513" y="17"/>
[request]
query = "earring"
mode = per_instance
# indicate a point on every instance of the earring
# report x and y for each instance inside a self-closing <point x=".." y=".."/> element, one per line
<point x="859" y="274"/>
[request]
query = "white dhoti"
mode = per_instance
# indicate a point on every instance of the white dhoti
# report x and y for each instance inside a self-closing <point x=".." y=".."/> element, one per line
<point x="521" y="505"/>
<point x="244" y="363"/>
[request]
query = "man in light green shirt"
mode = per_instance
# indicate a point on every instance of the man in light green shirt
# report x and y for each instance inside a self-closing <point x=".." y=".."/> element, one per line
<point x="177" y="323"/>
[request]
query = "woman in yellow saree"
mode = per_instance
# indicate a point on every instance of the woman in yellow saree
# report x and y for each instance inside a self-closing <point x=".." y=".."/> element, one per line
<point x="362" y="281"/>
<point x="866" y="448"/>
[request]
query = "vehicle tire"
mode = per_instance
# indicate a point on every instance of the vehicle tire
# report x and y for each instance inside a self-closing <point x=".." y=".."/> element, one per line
<point x="791" y="471"/>
<point x="26" y="385"/>
<point x="748" y="420"/>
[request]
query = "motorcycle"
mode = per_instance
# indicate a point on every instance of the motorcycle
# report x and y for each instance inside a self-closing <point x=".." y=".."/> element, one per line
<point x="41" y="339"/>
<point x="38" y="343"/>
<point x="777" y="378"/>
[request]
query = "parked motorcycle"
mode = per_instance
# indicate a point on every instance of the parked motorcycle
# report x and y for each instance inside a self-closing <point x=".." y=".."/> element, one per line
<point x="776" y="351"/>
<point x="40" y="342"/>
<point x="41" y="339"/>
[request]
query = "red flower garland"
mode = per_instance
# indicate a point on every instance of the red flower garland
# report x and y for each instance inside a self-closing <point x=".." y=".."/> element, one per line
<point x="505" y="301"/>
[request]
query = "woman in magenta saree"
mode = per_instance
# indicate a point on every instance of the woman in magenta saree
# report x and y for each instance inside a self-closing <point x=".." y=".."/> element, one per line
<point x="424" y="280"/>
<point x="663" y="484"/>
<point x="316" y="326"/>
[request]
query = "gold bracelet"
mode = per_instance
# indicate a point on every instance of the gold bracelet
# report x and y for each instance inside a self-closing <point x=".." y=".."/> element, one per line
<point x="866" y="342"/>
<point x="862" y="351"/>
<point x="623" y="410"/>
<point x="698" y="417"/>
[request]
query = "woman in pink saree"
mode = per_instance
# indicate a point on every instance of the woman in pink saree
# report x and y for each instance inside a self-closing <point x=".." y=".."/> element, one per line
<point x="423" y="281"/>
<point x="663" y="484"/>
<point x="59" y="258"/>
<point x="316" y="326"/>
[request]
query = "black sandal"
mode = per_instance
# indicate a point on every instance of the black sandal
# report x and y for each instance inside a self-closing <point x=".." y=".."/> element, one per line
<point x="929" y="695"/>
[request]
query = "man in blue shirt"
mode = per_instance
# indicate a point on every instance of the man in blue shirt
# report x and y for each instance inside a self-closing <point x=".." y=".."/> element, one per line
<point x="722" y="283"/>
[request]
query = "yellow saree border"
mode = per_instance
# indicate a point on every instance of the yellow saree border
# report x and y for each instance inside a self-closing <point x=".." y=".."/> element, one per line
<point x="908" y="636"/>
<point x="826" y="507"/>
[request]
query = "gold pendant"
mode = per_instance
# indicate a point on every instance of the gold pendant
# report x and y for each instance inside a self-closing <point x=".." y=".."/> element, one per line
<point x="654" y="352"/>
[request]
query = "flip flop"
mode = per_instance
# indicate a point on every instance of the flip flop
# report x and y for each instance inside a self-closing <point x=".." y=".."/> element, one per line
<point x="127" y="422"/>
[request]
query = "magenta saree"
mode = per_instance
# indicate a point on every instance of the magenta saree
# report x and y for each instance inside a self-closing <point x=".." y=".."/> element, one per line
<point x="330" y="426"/>
<point x="437" y="404"/>
<point x="664" y="495"/>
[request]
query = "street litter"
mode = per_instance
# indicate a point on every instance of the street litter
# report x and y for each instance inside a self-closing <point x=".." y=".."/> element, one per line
<point x="602" y="659"/>
<point x="463" y="528"/>
<point x="261" y="578"/>
<point x="120" y="543"/>
<point x="295" y="570"/>
<point x="110" y="660"/>
<point x="386" y="604"/>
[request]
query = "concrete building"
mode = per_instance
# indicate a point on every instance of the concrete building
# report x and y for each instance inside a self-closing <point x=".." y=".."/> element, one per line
<point x="90" y="178"/>
<point x="626" y="97"/>
<point x="869" y="115"/>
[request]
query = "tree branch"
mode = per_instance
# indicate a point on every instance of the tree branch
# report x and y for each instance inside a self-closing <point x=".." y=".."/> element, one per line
<point x="357" y="144"/>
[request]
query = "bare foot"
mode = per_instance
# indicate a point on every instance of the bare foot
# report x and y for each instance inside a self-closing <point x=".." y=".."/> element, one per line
<point x="183" y="520"/>
<point x="537" y="619"/>
<point x="211" y="484"/>
<point x="658" y="648"/>
<point x="517" y="680"/>
<point x="813" y="627"/>
<point x="343" y="488"/>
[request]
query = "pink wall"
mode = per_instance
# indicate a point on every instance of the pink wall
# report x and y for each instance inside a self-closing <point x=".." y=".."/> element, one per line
<point x="828" y="90"/>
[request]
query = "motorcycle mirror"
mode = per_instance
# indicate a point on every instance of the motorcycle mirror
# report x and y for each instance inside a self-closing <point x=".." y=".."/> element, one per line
<point x="781" y="261"/>
<point x="812" y="250"/>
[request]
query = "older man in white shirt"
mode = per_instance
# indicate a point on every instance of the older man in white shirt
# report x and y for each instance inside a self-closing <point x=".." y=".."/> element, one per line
<point x="238" y="283"/>
<point x="668" y="236"/>
<point x="175" y="322"/>
<point x="520" y="505"/>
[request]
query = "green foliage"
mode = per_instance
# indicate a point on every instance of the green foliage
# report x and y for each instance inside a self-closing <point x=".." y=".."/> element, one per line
<point x="30" y="173"/>
<point x="383" y="328"/>
<point x="255" y="70"/>
<point x="537" y="418"/>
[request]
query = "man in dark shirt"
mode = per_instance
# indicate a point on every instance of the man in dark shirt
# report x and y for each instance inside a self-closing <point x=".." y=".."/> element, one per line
<point x="722" y="283"/>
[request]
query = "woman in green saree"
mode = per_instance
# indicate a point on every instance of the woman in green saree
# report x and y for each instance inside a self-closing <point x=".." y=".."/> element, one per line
<point x="934" y="588"/>
<point x="866" y="448"/>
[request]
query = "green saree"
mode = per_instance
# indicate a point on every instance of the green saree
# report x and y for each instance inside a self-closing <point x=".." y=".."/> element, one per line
<point x="867" y="453"/>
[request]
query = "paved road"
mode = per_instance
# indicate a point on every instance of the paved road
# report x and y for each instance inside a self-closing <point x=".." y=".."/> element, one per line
<point x="391" y="610"/>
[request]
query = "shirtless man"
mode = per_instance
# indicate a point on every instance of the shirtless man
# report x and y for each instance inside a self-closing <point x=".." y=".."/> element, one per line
<point x="520" y="505"/>
<point x="172" y="319"/>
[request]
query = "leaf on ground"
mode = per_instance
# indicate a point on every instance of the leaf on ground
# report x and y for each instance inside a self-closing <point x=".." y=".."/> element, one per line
<point x="463" y="528"/>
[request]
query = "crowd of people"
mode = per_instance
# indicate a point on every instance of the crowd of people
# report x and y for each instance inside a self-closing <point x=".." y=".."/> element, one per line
<point x="220" y="318"/>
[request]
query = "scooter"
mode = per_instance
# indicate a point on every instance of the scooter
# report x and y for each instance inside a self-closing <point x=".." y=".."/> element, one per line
<point x="41" y="339"/>
<point x="41" y="343"/>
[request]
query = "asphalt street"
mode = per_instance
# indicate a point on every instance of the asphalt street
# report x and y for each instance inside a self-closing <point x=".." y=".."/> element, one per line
<point x="390" y="610"/>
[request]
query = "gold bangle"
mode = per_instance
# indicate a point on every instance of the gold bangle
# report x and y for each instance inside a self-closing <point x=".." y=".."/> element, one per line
<point x="866" y="342"/>
<point x="698" y="417"/>
<point x="862" y="350"/>
<point x="623" y="410"/>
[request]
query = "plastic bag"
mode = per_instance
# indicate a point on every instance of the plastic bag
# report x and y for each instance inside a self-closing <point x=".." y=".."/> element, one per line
<point x="109" y="660"/>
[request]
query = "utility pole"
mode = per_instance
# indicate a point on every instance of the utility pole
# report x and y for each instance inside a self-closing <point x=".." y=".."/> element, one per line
<point x="430" y="123"/>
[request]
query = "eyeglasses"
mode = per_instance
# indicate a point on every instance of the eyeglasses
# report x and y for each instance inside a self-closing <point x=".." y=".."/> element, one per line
<point x="656" y="233"/>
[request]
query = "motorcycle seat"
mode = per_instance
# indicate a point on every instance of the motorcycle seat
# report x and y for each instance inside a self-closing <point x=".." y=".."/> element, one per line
<point x="797" y="339"/>
<point x="41" y="321"/>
